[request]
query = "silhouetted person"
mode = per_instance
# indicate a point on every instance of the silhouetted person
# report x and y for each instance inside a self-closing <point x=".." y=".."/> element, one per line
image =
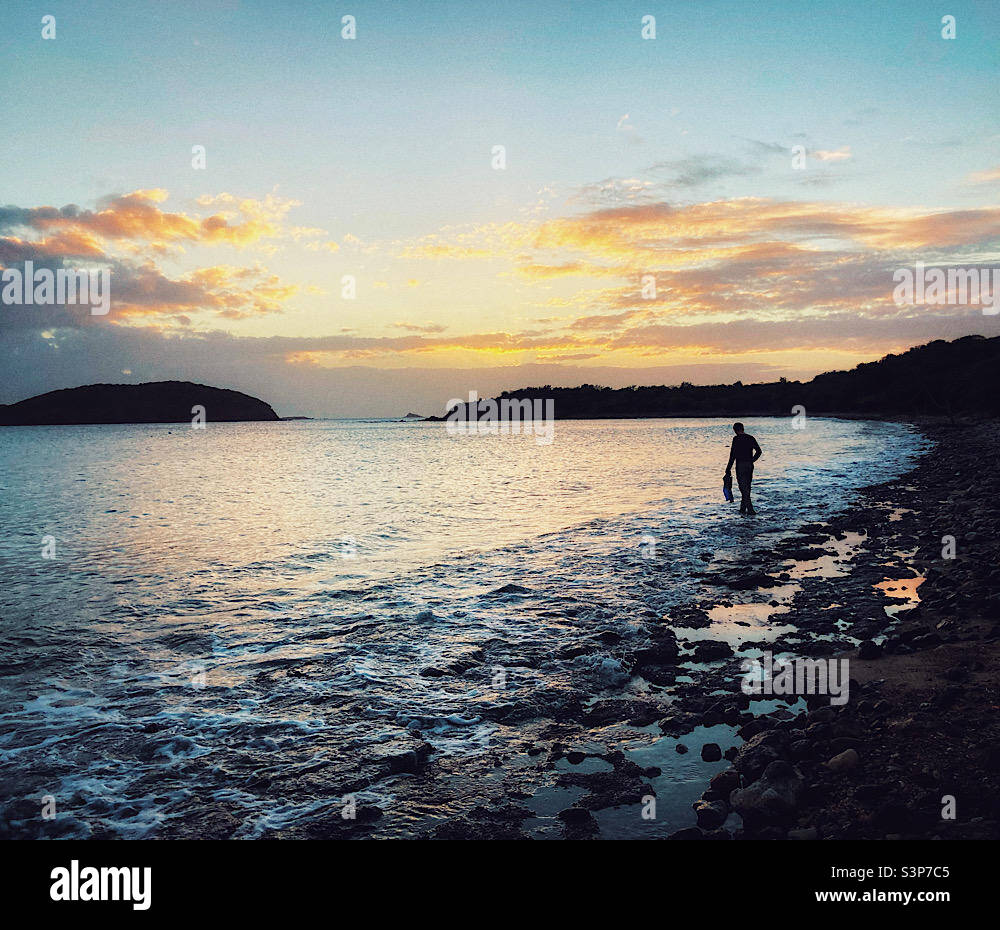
<point x="744" y="452"/>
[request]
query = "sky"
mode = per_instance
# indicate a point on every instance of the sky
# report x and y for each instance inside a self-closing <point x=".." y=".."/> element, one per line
<point x="478" y="196"/>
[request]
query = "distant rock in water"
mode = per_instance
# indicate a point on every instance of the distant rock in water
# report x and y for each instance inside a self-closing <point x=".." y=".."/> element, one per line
<point x="413" y="416"/>
<point x="156" y="402"/>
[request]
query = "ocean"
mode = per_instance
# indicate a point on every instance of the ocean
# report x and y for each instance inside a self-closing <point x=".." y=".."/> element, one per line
<point x="228" y="631"/>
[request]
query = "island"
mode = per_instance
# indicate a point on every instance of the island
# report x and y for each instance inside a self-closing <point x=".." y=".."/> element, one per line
<point x="153" y="402"/>
<point x="939" y="379"/>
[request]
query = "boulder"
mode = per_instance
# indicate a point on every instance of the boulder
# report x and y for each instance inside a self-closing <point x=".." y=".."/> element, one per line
<point x="844" y="761"/>
<point x="869" y="650"/>
<point x="725" y="782"/>
<point x="758" y="752"/>
<point x="708" y="650"/>
<point x="711" y="814"/>
<point x="711" y="752"/>
<point x="772" y="799"/>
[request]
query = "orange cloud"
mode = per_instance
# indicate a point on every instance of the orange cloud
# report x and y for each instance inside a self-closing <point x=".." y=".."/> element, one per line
<point x="841" y="154"/>
<point x="128" y="231"/>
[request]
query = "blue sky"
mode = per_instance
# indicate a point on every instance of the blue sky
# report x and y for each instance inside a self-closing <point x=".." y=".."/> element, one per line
<point x="384" y="143"/>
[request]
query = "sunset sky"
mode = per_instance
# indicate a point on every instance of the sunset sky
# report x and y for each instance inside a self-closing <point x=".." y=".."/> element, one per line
<point x="372" y="157"/>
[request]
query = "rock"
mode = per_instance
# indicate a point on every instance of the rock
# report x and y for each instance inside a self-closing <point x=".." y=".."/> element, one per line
<point x="680" y="748"/>
<point x="709" y="650"/>
<point x="605" y="712"/>
<point x="662" y="650"/>
<point x="711" y="752"/>
<point x="871" y="792"/>
<point x="806" y="833"/>
<point x="746" y="581"/>
<point x="844" y="761"/>
<point x="678" y="724"/>
<point x="841" y="743"/>
<point x="711" y="814"/>
<point x="725" y="782"/>
<point x="409" y="761"/>
<point x="724" y="710"/>
<point x="774" y="797"/>
<point x="824" y="714"/>
<point x="755" y="726"/>
<point x="580" y="823"/>
<point x="869" y="650"/>
<point x="800" y="749"/>
<point x="575" y="815"/>
<point x="805" y="553"/>
<point x="758" y="752"/>
<point x="957" y="673"/>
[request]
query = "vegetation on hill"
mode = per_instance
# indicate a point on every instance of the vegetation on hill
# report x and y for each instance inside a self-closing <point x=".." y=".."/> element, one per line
<point x="155" y="402"/>
<point x="937" y="379"/>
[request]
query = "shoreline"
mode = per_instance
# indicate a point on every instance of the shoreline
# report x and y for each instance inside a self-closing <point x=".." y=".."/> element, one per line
<point x="915" y="751"/>
<point x="607" y="704"/>
<point x="582" y="763"/>
<point x="920" y="724"/>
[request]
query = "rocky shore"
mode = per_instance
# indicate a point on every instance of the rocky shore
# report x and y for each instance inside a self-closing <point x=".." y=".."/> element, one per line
<point x="650" y="706"/>
<point x="915" y="751"/>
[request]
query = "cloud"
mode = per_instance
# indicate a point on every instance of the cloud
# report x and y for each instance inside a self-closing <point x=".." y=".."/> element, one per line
<point x="634" y="234"/>
<point x="696" y="171"/>
<point x="128" y="234"/>
<point x="259" y="368"/>
<point x="421" y="327"/>
<point x="137" y="217"/>
<point x="625" y="127"/>
<point x="769" y="148"/>
<point x="841" y="154"/>
<point x="990" y="176"/>
<point x="740" y="277"/>
<point x="225" y="291"/>
<point x="288" y="371"/>
<point x="774" y="266"/>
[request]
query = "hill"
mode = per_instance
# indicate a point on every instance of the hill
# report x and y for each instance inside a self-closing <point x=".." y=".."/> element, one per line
<point x="155" y="402"/>
<point x="937" y="379"/>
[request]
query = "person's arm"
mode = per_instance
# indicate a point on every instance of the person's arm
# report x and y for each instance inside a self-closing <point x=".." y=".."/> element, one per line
<point x="732" y="456"/>
<point x="756" y="450"/>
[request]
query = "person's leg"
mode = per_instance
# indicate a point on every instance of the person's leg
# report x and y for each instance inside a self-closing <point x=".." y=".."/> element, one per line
<point x="748" y="481"/>
<point x="743" y="481"/>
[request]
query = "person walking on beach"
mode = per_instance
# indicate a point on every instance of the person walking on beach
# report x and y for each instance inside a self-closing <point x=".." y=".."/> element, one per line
<point x="744" y="452"/>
